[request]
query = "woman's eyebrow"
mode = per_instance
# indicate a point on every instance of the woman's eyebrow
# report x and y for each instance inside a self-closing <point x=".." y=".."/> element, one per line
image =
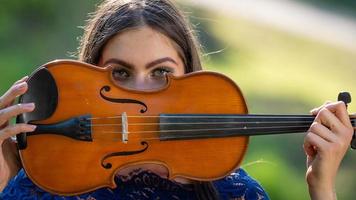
<point x="148" y="65"/>
<point x="160" y="60"/>
<point x="120" y="62"/>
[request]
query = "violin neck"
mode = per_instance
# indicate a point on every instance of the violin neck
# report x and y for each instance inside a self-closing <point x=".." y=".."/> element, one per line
<point x="196" y="126"/>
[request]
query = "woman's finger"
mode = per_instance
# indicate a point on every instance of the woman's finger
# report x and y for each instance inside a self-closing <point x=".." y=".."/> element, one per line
<point x="10" y="95"/>
<point x="339" y="109"/>
<point x="315" y="111"/>
<point x="331" y="121"/>
<point x="12" y="130"/>
<point x="23" y="79"/>
<point x="313" y="143"/>
<point x="7" y="113"/>
<point x="322" y="131"/>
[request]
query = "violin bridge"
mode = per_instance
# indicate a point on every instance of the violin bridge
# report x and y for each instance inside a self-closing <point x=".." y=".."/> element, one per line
<point x="125" y="131"/>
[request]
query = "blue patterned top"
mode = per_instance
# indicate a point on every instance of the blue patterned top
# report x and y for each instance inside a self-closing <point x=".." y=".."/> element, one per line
<point x="141" y="185"/>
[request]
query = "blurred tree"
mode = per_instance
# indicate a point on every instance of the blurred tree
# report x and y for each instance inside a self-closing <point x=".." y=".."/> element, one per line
<point x="345" y="7"/>
<point x="34" y="32"/>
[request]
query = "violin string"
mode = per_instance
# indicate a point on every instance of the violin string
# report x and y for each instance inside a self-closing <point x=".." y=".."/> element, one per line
<point x="353" y="121"/>
<point x="203" y="135"/>
<point x="194" y="130"/>
<point x="194" y="123"/>
<point x="203" y="116"/>
<point x="190" y="130"/>
<point x="119" y="139"/>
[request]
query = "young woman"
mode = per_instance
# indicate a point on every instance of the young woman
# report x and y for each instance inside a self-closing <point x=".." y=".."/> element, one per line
<point x="144" y="40"/>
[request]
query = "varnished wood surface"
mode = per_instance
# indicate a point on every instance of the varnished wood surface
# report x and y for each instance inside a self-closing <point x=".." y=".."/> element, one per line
<point x="65" y="166"/>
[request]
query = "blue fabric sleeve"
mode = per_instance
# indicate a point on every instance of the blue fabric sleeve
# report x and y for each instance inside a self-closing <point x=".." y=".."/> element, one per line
<point x="141" y="185"/>
<point x="240" y="185"/>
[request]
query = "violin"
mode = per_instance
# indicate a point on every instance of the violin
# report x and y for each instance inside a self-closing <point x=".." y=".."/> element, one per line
<point x="89" y="127"/>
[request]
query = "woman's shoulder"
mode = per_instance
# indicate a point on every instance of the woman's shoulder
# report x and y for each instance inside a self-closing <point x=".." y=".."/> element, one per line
<point x="240" y="185"/>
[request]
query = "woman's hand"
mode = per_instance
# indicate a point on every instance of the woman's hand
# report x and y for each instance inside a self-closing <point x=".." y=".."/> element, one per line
<point x="9" y="161"/>
<point x="325" y="146"/>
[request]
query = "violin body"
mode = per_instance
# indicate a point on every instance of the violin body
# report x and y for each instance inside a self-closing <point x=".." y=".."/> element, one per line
<point x="108" y="142"/>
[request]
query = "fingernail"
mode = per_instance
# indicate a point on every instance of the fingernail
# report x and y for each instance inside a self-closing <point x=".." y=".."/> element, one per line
<point x="32" y="127"/>
<point x="21" y="86"/>
<point x="23" y="78"/>
<point x="28" y="106"/>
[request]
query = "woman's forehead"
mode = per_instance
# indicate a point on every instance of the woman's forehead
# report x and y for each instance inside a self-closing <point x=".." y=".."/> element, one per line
<point x="140" y="43"/>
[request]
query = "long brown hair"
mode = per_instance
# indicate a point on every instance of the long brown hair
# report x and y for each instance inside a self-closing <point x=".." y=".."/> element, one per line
<point x="115" y="16"/>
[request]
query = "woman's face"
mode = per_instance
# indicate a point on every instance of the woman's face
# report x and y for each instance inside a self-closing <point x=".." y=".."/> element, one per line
<point x="141" y="58"/>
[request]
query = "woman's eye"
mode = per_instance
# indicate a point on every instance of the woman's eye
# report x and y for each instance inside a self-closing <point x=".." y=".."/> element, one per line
<point x="120" y="74"/>
<point x="161" y="72"/>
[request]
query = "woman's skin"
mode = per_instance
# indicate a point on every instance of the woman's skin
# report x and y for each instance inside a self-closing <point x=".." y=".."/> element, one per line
<point x="141" y="58"/>
<point x="9" y="164"/>
<point x="325" y="145"/>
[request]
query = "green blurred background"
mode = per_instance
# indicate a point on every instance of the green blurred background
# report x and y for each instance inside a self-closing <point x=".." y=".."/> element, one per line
<point x="280" y="72"/>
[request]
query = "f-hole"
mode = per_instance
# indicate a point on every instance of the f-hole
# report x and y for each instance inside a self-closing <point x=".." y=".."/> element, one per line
<point x="122" y="153"/>
<point x="107" y="88"/>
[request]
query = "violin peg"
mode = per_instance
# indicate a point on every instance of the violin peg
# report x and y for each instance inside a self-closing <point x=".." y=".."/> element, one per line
<point x="345" y="97"/>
